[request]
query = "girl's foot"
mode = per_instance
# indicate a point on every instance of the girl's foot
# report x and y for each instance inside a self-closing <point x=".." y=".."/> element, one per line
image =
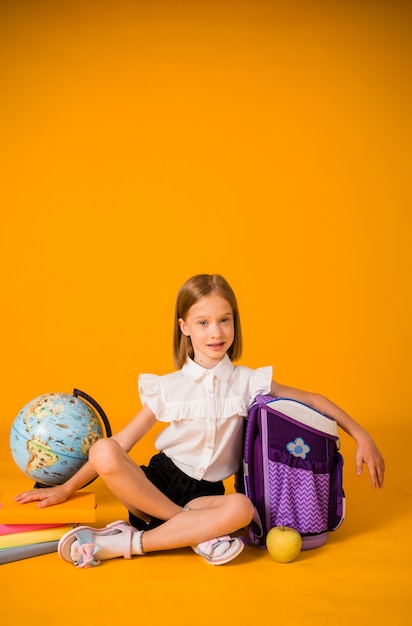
<point x="220" y="550"/>
<point x="85" y="546"/>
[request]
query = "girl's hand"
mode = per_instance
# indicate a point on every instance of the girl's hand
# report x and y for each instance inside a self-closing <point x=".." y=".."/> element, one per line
<point x="46" y="496"/>
<point x="367" y="452"/>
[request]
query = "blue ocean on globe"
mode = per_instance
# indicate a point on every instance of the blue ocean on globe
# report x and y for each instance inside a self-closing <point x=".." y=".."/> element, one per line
<point x="51" y="437"/>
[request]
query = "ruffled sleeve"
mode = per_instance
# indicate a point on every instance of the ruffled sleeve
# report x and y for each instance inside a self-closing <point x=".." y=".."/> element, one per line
<point x="260" y="382"/>
<point x="151" y="393"/>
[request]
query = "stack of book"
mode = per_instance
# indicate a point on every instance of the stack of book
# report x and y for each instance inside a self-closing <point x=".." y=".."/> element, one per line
<point x="26" y="530"/>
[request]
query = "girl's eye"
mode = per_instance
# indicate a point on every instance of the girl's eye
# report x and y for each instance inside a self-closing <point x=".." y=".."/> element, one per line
<point x="203" y="322"/>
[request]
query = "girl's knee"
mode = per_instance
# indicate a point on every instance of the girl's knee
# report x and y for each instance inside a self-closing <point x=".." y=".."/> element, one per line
<point x="248" y="508"/>
<point x="243" y="507"/>
<point x="103" y="454"/>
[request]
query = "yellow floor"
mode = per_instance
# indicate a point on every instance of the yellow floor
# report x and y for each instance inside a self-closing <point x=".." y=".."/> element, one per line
<point x="270" y="138"/>
<point x="361" y="576"/>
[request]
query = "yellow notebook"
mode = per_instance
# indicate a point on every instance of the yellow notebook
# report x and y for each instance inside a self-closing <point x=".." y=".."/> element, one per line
<point x="34" y="536"/>
<point x="80" y="507"/>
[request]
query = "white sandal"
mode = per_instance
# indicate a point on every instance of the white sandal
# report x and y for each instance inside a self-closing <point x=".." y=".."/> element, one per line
<point x="88" y="542"/>
<point x="219" y="550"/>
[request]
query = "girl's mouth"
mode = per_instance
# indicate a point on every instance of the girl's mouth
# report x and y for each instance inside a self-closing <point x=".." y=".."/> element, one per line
<point x="216" y="346"/>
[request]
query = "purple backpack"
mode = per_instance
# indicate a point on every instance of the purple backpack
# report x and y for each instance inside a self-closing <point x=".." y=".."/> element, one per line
<point x="292" y="470"/>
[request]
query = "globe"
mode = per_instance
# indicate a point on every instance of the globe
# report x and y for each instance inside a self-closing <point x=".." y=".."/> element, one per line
<point x="51" y="436"/>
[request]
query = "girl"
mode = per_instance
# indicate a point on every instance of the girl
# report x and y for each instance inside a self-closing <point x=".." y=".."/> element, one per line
<point x="178" y="499"/>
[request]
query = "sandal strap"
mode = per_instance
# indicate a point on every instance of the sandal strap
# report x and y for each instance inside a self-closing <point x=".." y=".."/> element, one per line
<point x="127" y="532"/>
<point x="207" y="548"/>
<point x="127" y="540"/>
<point x="87" y="549"/>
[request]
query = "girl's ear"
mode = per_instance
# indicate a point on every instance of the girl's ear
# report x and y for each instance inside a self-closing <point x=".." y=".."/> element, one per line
<point x="183" y="327"/>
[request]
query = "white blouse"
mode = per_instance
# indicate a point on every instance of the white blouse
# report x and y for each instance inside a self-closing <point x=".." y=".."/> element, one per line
<point x="204" y="409"/>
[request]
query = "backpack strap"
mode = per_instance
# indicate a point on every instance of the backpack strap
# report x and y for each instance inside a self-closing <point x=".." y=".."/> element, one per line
<point x="255" y="530"/>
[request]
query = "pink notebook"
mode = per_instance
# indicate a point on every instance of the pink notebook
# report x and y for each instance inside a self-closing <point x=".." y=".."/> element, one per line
<point x="11" y="529"/>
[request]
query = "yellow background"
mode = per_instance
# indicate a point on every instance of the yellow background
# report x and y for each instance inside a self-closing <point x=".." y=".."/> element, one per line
<point x="143" y="142"/>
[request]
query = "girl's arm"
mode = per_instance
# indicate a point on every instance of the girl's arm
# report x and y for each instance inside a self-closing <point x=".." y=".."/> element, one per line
<point x="127" y="438"/>
<point x="136" y="429"/>
<point x="366" y="452"/>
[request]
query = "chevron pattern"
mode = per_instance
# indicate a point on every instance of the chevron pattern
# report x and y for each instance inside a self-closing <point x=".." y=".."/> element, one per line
<point x="298" y="498"/>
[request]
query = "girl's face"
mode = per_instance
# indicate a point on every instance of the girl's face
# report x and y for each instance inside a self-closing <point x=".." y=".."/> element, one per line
<point x="209" y="324"/>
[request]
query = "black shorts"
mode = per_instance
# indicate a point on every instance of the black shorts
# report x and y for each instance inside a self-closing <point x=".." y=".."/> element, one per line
<point x="176" y="485"/>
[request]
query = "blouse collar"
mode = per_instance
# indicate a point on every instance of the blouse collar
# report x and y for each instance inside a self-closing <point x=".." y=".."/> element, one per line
<point x="223" y="370"/>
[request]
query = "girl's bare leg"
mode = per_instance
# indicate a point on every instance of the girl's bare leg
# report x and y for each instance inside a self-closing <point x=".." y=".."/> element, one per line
<point x="207" y="517"/>
<point x="127" y="481"/>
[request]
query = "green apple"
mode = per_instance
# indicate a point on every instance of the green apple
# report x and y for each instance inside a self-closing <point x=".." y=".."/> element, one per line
<point x="283" y="543"/>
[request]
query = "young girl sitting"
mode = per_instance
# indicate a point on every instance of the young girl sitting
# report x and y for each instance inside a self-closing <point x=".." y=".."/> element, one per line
<point x="178" y="500"/>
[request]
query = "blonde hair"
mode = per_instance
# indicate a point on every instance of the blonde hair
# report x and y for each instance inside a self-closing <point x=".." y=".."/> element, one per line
<point x="191" y="292"/>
